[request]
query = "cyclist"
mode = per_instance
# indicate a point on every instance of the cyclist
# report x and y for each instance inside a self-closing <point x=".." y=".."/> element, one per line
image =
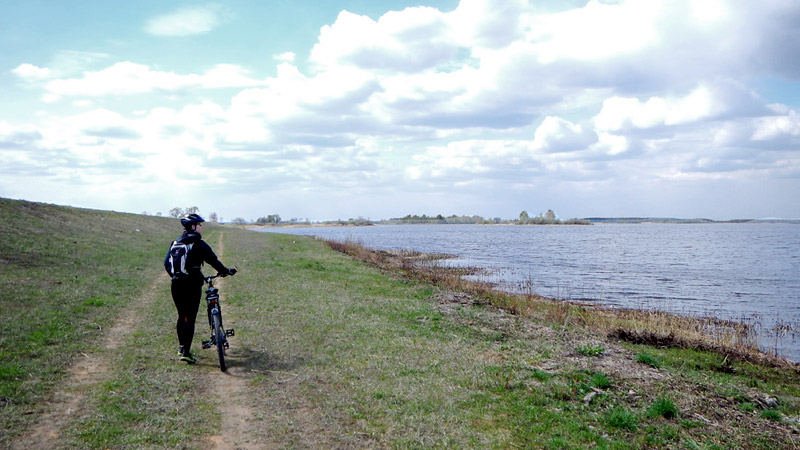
<point x="187" y="289"/>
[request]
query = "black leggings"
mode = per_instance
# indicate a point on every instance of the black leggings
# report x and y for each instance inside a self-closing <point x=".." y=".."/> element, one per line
<point x="186" y="295"/>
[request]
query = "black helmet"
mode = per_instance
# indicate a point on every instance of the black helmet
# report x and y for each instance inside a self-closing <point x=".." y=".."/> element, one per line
<point x="190" y="219"/>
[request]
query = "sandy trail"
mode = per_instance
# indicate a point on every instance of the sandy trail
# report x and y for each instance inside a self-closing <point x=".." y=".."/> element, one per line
<point x="231" y="386"/>
<point x="87" y="370"/>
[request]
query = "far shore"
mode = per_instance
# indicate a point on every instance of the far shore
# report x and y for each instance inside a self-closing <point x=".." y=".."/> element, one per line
<point x="588" y="221"/>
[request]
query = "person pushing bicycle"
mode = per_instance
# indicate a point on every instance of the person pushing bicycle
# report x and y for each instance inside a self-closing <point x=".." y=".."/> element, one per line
<point x="183" y="262"/>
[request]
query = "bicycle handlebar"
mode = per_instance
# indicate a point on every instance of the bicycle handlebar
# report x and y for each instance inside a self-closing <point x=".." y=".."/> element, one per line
<point x="223" y="275"/>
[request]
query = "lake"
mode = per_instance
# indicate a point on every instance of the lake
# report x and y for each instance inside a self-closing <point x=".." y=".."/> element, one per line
<point x="749" y="272"/>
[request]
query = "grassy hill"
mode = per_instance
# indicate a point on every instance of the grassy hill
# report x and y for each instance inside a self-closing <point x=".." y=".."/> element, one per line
<point x="64" y="274"/>
<point x="330" y="352"/>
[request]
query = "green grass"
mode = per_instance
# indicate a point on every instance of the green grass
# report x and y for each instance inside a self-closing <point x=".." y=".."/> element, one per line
<point x="590" y="350"/>
<point x="771" y="414"/>
<point x="663" y="407"/>
<point x="149" y="400"/>
<point x="650" y="360"/>
<point x="64" y="274"/>
<point x="601" y="381"/>
<point x="335" y="353"/>
<point x="622" y="418"/>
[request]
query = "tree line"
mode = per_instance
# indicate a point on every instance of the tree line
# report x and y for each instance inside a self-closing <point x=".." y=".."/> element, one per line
<point x="547" y="218"/>
<point x="413" y="219"/>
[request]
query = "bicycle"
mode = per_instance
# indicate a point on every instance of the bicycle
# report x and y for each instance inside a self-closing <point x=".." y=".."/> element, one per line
<point x="219" y="335"/>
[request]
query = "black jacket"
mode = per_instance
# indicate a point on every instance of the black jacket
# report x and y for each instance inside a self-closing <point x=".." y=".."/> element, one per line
<point x="199" y="254"/>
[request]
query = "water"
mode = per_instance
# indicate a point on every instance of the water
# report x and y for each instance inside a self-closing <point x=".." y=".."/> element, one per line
<point x="745" y="272"/>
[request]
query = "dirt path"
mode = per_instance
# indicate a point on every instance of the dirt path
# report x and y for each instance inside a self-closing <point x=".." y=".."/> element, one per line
<point x="92" y="368"/>
<point x="237" y="430"/>
<point x="86" y="370"/>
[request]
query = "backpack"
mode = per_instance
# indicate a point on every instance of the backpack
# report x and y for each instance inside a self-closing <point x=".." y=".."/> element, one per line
<point x="176" y="259"/>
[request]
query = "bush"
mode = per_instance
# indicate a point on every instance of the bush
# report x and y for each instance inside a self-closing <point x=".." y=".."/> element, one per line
<point x="771" y="414"/>
<point x="601" y="381"/>
<point x="621" y="417"/>
<point x="590" y="350"/>
<point x="663" y="407"/>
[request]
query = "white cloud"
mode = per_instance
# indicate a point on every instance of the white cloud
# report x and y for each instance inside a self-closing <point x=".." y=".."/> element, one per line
<point x="292" y="108"/>
<point x="595" y="32"/>
<point x="227" y="75"/>
<point x="406" y="41"/>
<point x="64" y="63"/>
<point x="773" y="127"/>
<point x="493" y="24"/>
<point x="455" y="160"/>
<point x="285" y="57"/>
<point x="12" y="136"/>
<point x="127" y="78"/>
<point x="30" y="72"/>
<point x="618" y="113"/>
<point x="611" y="144"/>
<point x="124" y="78"/>
<point x="558" y="135"/>
<point x="188" y="21"/>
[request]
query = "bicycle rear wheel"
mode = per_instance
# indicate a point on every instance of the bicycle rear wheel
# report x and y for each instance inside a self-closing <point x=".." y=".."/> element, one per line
<point x="219" y="338"/>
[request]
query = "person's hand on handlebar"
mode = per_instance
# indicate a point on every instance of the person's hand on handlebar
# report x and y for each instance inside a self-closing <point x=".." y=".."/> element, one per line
<point x="231" y="271"/>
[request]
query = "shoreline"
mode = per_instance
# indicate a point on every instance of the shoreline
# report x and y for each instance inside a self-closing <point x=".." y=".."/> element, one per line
<point x="729" y="338"/>
<point x="632" y="287"/>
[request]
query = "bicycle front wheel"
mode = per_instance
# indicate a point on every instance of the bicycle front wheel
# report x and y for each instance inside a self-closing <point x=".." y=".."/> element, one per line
<point x="219" y="337"/>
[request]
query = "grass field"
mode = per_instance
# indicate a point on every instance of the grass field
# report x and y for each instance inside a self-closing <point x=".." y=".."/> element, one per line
<point x="330" y="352"/>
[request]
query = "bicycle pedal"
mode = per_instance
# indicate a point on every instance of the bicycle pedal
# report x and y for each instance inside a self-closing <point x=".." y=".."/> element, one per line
<point x="206" y="344"/>
<point x="229" y="332"/>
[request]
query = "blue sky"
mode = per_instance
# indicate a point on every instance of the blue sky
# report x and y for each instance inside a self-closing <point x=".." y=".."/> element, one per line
<point x="378" y="109"/>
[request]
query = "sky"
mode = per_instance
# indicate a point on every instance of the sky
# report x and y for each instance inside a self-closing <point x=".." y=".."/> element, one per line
<point x="380" y="109"/>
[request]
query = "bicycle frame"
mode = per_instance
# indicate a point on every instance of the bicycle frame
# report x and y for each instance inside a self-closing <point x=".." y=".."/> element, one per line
<point x="219" y="335"/>
<point x="212" y="300"/>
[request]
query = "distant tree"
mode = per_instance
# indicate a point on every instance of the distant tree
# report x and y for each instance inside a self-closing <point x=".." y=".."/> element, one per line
<point x="271" y="219"/>
<point x="359" y="221"/>
<point x="550" y="216"/>
<point x="524" y="217"/>
<point x="191" y="210"/>
<point x="176" y="212"/>
<point x="213" y="217"/>
<point x="239" y="221"/>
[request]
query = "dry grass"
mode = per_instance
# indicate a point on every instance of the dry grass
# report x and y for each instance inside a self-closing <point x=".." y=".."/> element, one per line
<point x="732" y="339"/>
